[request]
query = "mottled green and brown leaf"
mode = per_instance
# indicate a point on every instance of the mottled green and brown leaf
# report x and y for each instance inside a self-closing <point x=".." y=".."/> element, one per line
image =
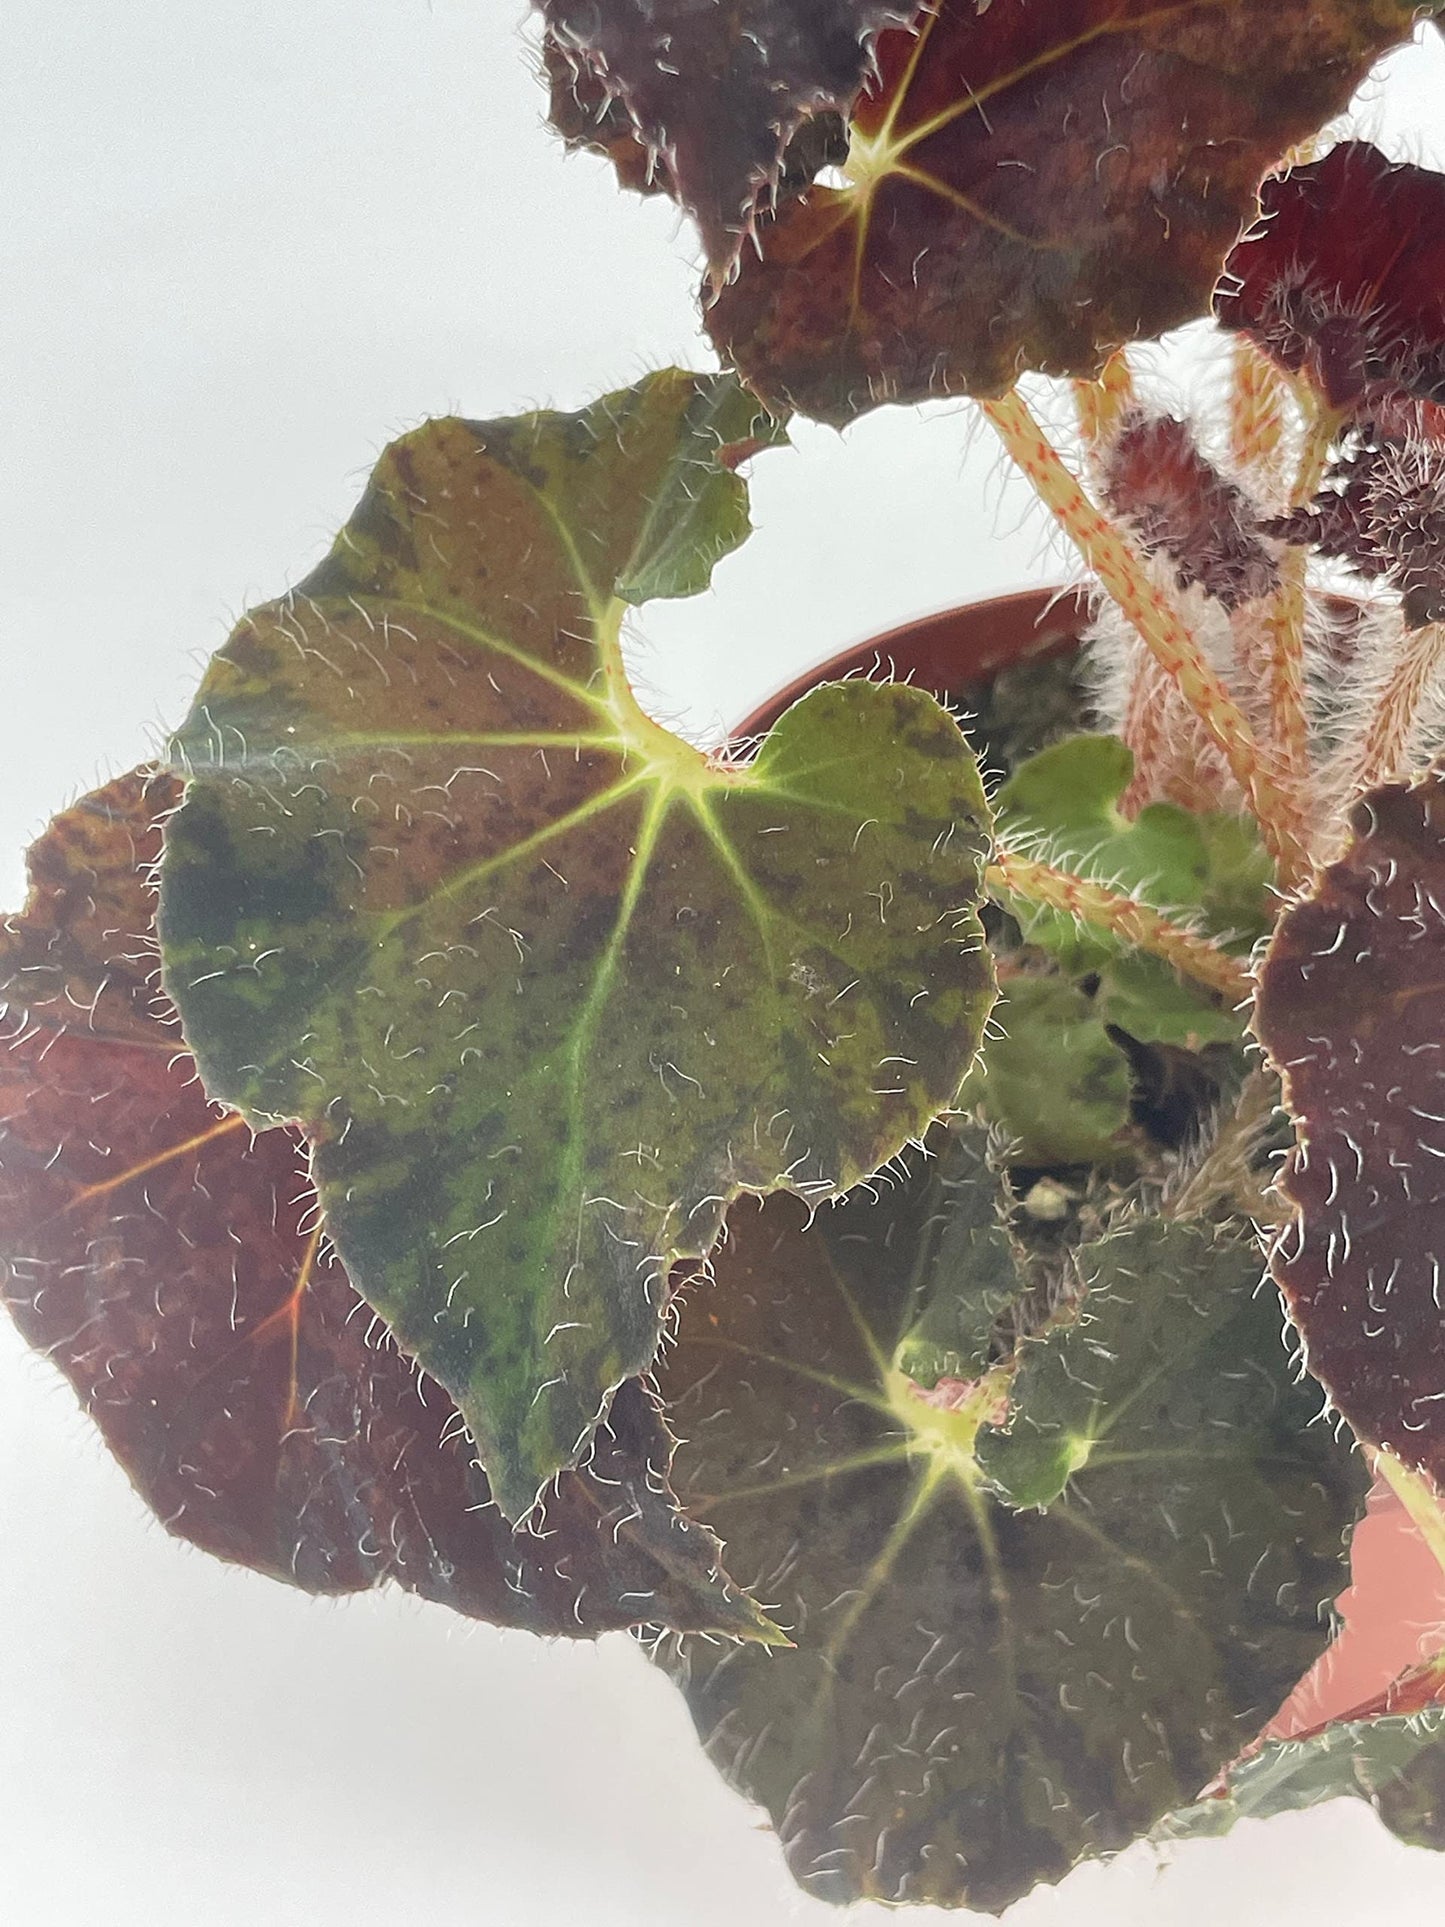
<point x="545" y="985"/>
<point x="980" y="1696"/>
<point x="1030" y="186"/>
<point x="171" y="1264"/>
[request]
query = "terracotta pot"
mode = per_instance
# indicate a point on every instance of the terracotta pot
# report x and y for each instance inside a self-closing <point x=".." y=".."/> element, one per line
<point x="1394" y="1609"/>
<point x="943" y="652"/>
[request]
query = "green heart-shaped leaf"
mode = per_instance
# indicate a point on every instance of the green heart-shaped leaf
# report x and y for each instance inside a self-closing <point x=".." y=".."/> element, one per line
<point x="545" y="985"/>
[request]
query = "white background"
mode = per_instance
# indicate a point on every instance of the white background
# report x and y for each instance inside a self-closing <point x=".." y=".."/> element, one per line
<point x="243" y="244"/>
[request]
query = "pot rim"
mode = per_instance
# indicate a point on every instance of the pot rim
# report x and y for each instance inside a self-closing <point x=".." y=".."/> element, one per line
<point x="962" y="643"/>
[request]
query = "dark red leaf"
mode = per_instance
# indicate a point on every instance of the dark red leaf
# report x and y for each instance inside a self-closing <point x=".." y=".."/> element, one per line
<point x="1343" y="279"/>
<point x="705" y="99"/>
<point x="171" y="1264"/>
<point x="1029" y="186"/>
<point x="1351" y="1008"/>
<point x="587" y="114"/>
<point x="1176" y="502"/>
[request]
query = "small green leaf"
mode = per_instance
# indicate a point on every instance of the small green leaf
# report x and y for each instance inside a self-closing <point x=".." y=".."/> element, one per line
<point x="1057" y="1081"/>
<point x="1065" y="799"/>
<point x="1142" y="995"/>
<point x="979" y="1697"/>
<point x="1235" y="898"/>
<point x="1210" y="867"/>
<point x="1070" y="790"/>
<point x="1051" y="1077"/>
<point x="545" y="985"/>
<point x="1383" y="1761"/>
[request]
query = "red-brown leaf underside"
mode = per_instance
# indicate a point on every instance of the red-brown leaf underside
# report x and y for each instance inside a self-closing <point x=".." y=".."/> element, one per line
<point x="170" y="1263"/>
<point x="1032" y="185"/>
<point x="1344" y="277"/>
<point x="1351" y="1008"/>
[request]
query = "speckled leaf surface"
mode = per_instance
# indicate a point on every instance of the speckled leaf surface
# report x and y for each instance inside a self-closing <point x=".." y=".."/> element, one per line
<point x="1164" y="1304"/>
<point x="969" y="1281"/>
<point x="1351" y="1008"/>
<point x="979" y="1696"/>
<point x="711" y="94"/>
<point x="170" y="1264"/>
<point x="1030" y="186"/>
<point x="544" y="984"/>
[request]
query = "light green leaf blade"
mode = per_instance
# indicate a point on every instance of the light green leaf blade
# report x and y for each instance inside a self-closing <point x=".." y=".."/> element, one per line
<point x="1142" y="995"/>
<point x="545" y="985"/>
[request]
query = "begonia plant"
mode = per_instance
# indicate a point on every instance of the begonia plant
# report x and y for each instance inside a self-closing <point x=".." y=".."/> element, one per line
<point x="934" y="1226"/>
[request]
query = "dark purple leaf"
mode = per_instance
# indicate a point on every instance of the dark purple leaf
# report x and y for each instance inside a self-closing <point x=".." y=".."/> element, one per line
<point x="705" y="99"/>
